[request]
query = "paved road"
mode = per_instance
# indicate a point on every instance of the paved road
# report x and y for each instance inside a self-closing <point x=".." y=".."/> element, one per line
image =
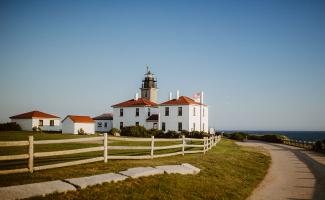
<point x="293" y="174"/>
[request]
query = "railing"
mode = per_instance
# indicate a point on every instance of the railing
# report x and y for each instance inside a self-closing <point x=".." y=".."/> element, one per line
<point x="300" y="143"/>
<point x="208" y="143"/>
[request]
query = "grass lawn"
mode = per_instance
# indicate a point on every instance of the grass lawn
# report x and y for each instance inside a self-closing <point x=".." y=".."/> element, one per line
<point x="227" y="172"/>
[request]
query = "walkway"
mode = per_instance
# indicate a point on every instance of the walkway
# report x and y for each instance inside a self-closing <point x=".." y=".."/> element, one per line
<point x="293" y="174"/>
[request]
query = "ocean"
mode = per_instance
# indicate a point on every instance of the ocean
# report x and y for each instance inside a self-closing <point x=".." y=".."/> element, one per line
<point x="296" y="135"/>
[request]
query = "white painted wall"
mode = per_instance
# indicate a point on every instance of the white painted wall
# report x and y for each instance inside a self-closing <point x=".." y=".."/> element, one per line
<point x="25" y="124"/>
<point x="173" y="119"/>
<point x="196" y="119"/>
<point x="103" y="128"/>
<point x="69" y="127"/>
<point x="129" y="118"/>
<point x="28" y="124"/>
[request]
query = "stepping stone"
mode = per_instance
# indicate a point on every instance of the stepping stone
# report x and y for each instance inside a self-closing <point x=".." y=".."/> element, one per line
<point x="141" y="171"/>
<point x="34" y="189"/>
<point x="196" y="170"/>
<point x="177" y="169"/>
<point x="84" y="182"/>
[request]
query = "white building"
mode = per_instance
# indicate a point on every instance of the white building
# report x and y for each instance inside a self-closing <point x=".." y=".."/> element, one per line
<point x="181" y="113"/>
<point x="44" y="121"/>
<point x="133" y="112"/>
<point x="104" y="122"/>
<point x="72" y="124"/>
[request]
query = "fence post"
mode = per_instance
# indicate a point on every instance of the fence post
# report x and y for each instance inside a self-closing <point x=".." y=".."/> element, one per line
<point x="152" y="146"/>
<point x="105" y="147"/>
<point x="31" y="154"/>
<point x="183" y="147"/>
<point x="205" y="143"/>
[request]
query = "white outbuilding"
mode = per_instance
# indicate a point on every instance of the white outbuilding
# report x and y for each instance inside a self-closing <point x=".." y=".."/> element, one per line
<point x="104" y="122"/>
<point x="73" y="124"/>
<point x="44" y="121"/>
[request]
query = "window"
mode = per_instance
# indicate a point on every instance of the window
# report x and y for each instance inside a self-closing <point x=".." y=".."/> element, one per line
<point x="180" y="111"/>
<point x="137" y="123"/>
<point x="148" y="112"/>
<point x="166" y="111"/>
<point x="99" y="124"/>
<point x="194" y="111"/>
<point x="40" y="122"/>
<point x="155" y="126"/>
<point x="105" y="124"/>
<point x="163" y="126"/>
<point x="203" y="112"/>
<point x="193" y="126"/>
<point x="180" y="128"/>
<point x="51" y="122"/>
<point x="121" y="125"/>
<point x="203" y="127"/>
<point x="137" y="112"/>
<point x="121" y="112"/>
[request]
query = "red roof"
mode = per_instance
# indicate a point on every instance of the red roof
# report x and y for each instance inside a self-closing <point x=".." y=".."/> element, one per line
<point x="80" y="119"/>
<point x="33" y="114"/>
<point x="135" y="103"/>
<point x="182" y="100"/>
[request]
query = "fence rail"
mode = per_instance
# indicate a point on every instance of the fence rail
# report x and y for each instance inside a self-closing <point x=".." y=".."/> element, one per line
<point x="208" y="143"/>
<point x="300" y="143"/>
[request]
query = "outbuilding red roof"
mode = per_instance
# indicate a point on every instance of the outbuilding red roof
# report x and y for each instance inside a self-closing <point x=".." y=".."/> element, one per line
<point x="135" y="103"/>
<point x="182" y="100"/>
<point x="80" y="119"/>
<point x="33" y="114"/>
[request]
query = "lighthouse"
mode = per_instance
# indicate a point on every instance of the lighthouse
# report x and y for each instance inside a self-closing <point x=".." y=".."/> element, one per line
<point x="149" y="88"/>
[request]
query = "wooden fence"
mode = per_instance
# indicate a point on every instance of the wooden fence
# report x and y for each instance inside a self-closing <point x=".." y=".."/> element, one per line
<point x="208" y="143"/>
<point x="300" y="143"/>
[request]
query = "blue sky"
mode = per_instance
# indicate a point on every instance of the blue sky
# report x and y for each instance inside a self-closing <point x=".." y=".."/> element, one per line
<point x="260" y="63"/>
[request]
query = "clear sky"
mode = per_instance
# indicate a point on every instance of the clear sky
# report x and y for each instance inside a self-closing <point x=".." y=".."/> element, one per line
<point x="260" y="63"/>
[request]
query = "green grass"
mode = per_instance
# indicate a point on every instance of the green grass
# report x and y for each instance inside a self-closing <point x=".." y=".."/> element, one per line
<point x="227" y="172"/>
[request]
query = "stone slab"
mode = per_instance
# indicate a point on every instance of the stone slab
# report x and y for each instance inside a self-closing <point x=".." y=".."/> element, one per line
<point x="84" y="182"/>
<point x="176" y="169"/>
<point x="141" y="171"/>
<point x="196" y="170"/>
<point x="34" y="189"/>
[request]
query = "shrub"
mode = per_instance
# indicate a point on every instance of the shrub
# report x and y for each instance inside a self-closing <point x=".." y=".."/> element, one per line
<point x="81" y="132"/>
<point x="197" y="134"/>
<point x="240" y="136"/>
<point x="114" y="131"/>
<point x="37" y="129"/>
<point x="276" y="138"/>
<point x="10" y="126"/>
<point x="319" y="146"/>
<point x="134" y="131"/>
<point x="155" y="132"/>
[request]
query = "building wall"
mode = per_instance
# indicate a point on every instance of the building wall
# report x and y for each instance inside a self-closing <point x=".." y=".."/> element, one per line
<point x="69" y="127"/>
<point x="129" y="118"/>
<point x="196" y="119"/>
<point x="173" y="119"/>
<point x="102" y="128"/>
<point x="28" y="124"/>
<point x="25" y="124"/>
<point x="89" y="128"/>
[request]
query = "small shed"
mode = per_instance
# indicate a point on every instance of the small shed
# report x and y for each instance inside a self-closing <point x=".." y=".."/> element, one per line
<point x="73" y="124"/>
<point x="104" y="122"/>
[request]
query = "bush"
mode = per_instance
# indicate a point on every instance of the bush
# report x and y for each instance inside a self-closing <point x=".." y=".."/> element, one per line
<point x="37" y="129"/>
<point x="10" y="126"/>
<point x="197" y="134"/>
<point x="276" y="138"/>
<point x="134" y="131"/>
<point x="240" y="136"/>
<point x="114" y="131"/>
<point x="319" y="146"/>
<point x="81" y="132"/>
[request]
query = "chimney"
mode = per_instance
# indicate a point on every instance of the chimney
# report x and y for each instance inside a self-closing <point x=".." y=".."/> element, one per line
<point x="177" y="94"/>
<point x="170" y="95"/>
<point x="201" y="97"/>
<point x="136" y="97"/>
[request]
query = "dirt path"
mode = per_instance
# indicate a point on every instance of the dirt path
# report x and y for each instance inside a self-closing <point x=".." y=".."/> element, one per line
<point x="293" y="174"/>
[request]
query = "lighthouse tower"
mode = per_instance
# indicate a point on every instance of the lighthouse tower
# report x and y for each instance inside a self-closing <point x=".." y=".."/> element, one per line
<point x="149" y="88"/>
